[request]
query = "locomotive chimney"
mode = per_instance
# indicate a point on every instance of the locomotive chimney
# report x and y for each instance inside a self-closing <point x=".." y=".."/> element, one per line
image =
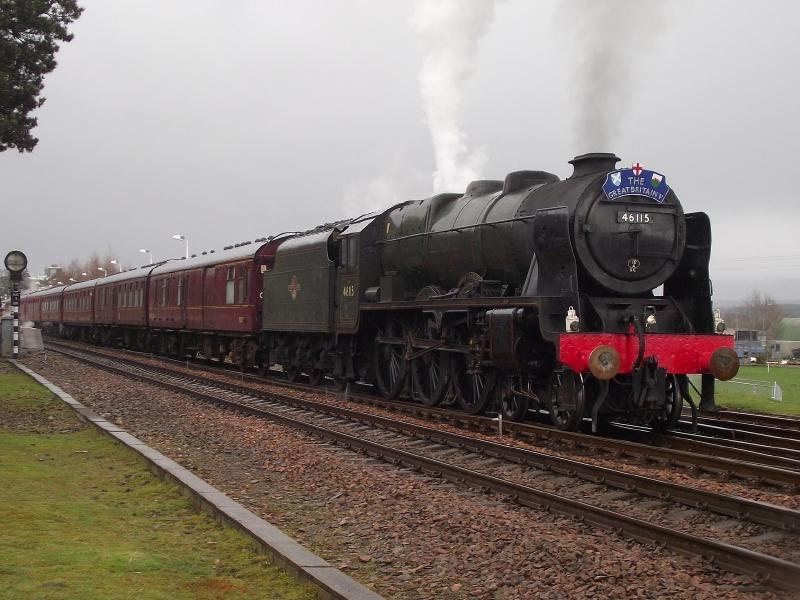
<point x="594" y="162"/>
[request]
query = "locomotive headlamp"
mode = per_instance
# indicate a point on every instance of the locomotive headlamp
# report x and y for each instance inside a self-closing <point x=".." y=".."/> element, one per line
<point x="724" y="364"/>
<point x="572" y="322"/>
<point x="650" y="321"/>
<point x="720" y="327"/>
<point x="604" y="362"/>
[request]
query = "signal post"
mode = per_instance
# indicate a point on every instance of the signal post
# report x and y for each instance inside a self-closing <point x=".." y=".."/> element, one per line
<point x="15" y="262"/>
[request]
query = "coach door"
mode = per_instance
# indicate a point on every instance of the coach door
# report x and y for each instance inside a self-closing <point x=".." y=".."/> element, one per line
<point x="347" y="292"/>
<point x="209" y="295"/>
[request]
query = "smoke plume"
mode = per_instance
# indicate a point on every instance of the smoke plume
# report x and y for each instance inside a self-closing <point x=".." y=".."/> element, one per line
<point x="611" y="40"/>
<point x="450" y="31"/>
<point x="378" y="193"/>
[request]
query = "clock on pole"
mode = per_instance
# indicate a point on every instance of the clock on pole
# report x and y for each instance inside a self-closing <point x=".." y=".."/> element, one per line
<point x="15" y="262"/>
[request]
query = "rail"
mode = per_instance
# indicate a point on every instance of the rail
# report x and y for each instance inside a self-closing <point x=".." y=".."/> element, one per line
<point x="779" y="572"/>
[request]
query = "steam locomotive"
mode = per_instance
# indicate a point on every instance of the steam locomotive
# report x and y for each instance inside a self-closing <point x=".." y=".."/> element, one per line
<point x="528" y="293"/>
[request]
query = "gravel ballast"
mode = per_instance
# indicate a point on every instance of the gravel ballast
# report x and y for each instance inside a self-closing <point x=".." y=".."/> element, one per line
<point x="406" y="535"/>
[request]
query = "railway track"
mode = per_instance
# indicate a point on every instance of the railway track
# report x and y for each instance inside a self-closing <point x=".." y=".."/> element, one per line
<point x="760" y="423"/>
<point x="698" y="455"/>
<point x="757" y="419"/>
<point x="761" y="540"/>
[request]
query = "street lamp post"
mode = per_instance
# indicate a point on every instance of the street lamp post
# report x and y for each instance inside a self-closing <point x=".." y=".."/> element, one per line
<point x="150" y="254"/>
<point x="179" y="236"/>
<point x="105" y="271"/>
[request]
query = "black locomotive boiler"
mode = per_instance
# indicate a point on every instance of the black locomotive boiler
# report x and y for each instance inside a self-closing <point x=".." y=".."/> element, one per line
<point x="585" y="297"/>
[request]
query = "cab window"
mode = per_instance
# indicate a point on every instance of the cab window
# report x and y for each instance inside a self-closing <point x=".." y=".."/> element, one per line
<point x="230" y="286"/>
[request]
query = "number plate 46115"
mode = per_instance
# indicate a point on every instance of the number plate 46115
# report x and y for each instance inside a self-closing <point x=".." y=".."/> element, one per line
<point x="632" y="217"/>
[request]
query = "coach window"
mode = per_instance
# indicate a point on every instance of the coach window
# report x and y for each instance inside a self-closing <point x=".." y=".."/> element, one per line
<point x="230" y="286"/>
<point x="352" y="251"/>
<point x="163" y="292"/>
<point x="179" y="298"/>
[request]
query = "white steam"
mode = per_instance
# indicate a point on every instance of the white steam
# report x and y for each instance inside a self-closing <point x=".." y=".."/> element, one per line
<point x="450" y="31"/>
<point x="378" y="193"/>
<point x="611" y="40"/>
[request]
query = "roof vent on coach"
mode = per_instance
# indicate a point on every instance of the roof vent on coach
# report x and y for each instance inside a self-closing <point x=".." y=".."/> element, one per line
<point x="593" y="162"/>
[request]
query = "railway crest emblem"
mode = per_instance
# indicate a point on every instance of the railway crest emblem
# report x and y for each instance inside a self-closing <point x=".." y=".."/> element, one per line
<point x="294" y="287"/>
<point x="636" y="181"/>
<point x="633" y="265"/>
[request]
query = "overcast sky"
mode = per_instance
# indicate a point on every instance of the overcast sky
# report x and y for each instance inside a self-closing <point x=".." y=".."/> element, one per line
<point x="230" y="120"/>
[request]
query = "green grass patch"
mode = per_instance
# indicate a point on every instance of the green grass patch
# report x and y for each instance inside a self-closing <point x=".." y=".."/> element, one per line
<point x="789" y="329"/>
<point x="741" y="397"/>
<point x="84" y="518"/>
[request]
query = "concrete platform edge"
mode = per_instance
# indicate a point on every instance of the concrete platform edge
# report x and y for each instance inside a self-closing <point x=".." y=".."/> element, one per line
<point x="283" y="551"/>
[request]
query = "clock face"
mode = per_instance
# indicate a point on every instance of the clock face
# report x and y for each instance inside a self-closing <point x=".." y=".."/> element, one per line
<point x="16" y="261"/>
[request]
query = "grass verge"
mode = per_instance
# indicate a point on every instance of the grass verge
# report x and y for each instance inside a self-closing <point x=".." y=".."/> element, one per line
<point x="746" y="398"/>
<point x="84" y="518"/>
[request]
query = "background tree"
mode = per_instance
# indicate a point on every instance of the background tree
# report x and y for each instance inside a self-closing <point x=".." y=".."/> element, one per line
<point x="757" y="311"/>
<point x="30" y="32"/>
<point x="5" y="285"/>
<point x="75" y="268"/>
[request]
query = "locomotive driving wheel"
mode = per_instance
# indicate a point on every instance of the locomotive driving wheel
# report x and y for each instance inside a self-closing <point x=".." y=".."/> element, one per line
<point x="512" y="402"/>
<point x="430" y="377"/>
<point x="670" y="413"/>
<point x="473" y="388"/>
<point x="391" y="367"/>
<point x="567" y="400"/>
